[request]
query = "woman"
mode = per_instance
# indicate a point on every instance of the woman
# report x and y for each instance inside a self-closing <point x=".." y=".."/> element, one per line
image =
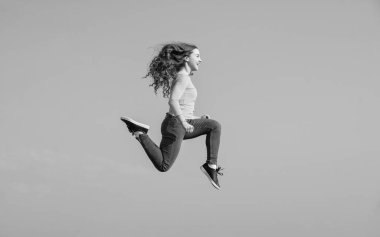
<point x="171" y="70"/>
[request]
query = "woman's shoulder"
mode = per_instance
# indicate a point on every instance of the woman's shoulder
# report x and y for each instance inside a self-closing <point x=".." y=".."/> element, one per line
<point x="183" y="78"/>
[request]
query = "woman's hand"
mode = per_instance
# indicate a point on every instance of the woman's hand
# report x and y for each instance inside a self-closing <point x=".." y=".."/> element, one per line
<point x="205" y="116"/>
<point x="188" y="127"/>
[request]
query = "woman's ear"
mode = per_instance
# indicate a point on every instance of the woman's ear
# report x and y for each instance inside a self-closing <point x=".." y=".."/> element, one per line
<point x="187" y="58"/>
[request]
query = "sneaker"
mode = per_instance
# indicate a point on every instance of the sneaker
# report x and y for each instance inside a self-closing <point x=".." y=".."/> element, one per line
<point x="134" y="126"/>
<point x="212" y="174"/>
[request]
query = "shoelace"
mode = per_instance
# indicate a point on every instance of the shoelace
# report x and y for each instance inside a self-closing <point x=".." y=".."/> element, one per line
<point x="218" y="169"/>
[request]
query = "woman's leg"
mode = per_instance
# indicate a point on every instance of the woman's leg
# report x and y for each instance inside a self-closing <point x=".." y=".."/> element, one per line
<point x="164" y="156"/>
<point x="212" y="129"/>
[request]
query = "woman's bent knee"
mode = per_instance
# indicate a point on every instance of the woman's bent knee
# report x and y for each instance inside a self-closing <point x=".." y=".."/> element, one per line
<point x="216" y="125"/>
<point x="163" y="168"/>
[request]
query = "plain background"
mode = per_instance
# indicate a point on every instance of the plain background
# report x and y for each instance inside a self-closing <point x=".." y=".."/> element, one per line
<point x="295" y="85"/>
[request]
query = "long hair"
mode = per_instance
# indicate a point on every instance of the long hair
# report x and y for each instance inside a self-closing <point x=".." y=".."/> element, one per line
<point x="164" y="67"/>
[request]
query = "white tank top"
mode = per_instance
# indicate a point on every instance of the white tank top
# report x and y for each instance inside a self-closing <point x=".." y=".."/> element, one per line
<point x="187" y="101"/>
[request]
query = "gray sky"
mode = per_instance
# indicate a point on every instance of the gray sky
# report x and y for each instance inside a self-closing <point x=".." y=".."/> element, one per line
<point x="295" y="85"/>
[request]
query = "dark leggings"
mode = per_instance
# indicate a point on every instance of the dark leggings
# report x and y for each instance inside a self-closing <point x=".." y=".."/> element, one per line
<point x="173" y="133"/>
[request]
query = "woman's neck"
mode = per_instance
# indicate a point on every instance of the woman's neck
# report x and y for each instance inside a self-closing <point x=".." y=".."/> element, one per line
<point x="185" y="70"/>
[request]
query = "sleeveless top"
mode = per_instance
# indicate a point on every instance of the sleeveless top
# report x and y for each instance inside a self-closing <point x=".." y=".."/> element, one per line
<point x="187" y="101"/>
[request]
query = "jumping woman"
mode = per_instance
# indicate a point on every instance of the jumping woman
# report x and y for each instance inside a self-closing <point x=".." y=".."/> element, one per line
<point x="171" y="70"/>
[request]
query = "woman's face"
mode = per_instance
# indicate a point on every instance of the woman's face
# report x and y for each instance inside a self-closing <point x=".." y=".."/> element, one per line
<point x="194" y="60"/>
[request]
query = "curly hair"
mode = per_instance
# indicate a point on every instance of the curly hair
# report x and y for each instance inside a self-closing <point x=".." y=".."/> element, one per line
<point x="164" y="67"/>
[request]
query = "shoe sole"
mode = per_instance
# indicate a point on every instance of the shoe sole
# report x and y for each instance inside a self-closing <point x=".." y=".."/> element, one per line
<point x="209" y="178"/>
<point x="135" y="122"/>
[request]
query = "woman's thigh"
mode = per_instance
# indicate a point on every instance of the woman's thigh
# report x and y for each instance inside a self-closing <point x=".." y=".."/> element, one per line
<point x="201" y="127"/>
<point x="172" y="136"/>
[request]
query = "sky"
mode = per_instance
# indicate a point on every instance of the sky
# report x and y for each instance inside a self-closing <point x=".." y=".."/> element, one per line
<point x="295" y="85"/>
